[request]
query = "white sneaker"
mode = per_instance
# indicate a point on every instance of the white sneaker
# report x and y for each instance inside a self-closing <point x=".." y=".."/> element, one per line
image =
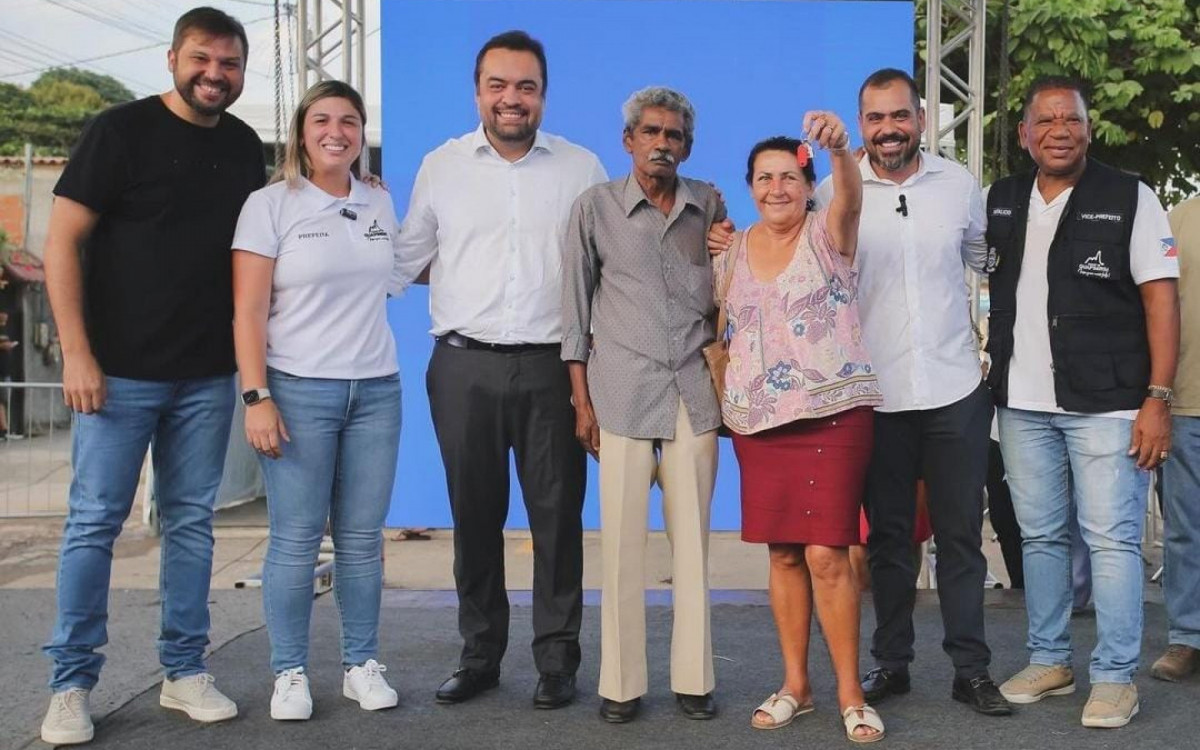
<point x="197" y="697"/>
<point x="366" y="685"/>
<point x="69" y="720"/>
<point x="291" y="700"/>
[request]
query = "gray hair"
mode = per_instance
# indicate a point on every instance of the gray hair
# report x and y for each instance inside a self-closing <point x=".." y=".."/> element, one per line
<point x="664" y="98"/>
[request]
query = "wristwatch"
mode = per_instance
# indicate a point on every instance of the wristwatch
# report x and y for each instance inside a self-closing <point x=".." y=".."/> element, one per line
<point x="255" y="395"/>
<point x="1162" y="393"/>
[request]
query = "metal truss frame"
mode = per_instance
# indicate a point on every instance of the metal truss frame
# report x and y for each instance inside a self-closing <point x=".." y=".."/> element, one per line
<point x="951" y="26"/>
<point x="332" y="32"/>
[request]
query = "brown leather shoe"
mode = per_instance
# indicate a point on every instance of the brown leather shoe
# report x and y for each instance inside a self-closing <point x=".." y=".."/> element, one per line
<point x="1177" y="663"/>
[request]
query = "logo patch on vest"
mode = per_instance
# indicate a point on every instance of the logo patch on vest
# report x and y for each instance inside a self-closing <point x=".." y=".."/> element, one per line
<point x="999" y="211"/>
<point x="1094" y="267"/>
<point x="1102" y="217"/>
<point x="375" y="232"/>
<point x="993" y="260"/>
<point x="1168" y="247"/>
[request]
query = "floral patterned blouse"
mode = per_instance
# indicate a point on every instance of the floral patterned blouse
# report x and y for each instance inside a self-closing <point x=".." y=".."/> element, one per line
<point x="795" y="343"/>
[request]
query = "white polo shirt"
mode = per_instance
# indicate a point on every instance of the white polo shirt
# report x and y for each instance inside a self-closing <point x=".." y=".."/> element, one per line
<point x="333" y="274"/>
<point x="912" y="291"/>
<point x="493" y="230"/>
<point x="1151" y="256"/>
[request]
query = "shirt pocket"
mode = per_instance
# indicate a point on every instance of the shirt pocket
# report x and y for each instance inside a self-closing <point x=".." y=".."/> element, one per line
<point x="698" y="285"/>
<point x="1096" y="259"/>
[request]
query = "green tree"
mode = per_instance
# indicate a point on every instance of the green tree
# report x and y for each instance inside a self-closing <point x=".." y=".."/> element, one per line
<point x="67" y="97"/>
<point x="111" y="90"/>
<point x="15" y="102"/>
<point x="53" y="110"/>
<point x="1141" y="59"/>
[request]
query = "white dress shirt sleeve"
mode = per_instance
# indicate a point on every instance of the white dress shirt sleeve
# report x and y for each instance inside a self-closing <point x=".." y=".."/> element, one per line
<point x="824" y="193"/>
<point x="974" y="247"/>
<point x="415" y="242"/>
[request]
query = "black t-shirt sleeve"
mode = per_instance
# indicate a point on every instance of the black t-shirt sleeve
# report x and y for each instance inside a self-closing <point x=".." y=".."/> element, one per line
<point x="97" y="172"/>
<point x="261" y="163"/>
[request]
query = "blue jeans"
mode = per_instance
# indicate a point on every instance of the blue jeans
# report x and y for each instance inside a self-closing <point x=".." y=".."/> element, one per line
<point x="1081" y="564"/>
<point x="1181" y="511"/>
<point x="186" y="425"/>
<point x="1110" y="501"/>
<point x="340" y="465"/>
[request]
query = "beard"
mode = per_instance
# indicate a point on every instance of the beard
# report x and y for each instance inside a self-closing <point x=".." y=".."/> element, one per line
<point x="515" y="132"/>
<point x="187" y="90"/>
<point x="900" y="160"/>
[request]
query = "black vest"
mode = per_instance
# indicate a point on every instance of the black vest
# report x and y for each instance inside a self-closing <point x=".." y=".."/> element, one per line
<point x="1098" y="344"/>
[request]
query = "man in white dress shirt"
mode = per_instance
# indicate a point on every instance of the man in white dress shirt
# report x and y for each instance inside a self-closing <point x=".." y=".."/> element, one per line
<point x="489" y="210"/>
<point x="922" y="225"/>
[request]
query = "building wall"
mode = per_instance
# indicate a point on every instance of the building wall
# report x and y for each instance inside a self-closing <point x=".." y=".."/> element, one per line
<point x="12" y="189"/>
<point x="38" y="359"/>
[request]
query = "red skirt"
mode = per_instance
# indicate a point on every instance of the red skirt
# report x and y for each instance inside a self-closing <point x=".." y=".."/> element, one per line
<point x="802" y="483"/>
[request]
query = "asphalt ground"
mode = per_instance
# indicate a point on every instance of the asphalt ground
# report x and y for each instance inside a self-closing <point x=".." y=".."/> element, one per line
<point x="419" y="644"/>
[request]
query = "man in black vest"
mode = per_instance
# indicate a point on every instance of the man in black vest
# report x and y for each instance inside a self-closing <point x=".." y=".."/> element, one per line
<point x="1084" y="338"/>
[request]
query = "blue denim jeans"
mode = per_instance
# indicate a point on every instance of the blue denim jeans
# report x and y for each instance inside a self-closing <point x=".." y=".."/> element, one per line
<point x="186" y="425"/>
<point x="340" y="465"/>
<point x="1181" y="511"/>
<point x="1110" y="501"/>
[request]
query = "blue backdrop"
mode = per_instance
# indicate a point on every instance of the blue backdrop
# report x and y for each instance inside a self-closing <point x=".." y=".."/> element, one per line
<point x="751" y="69"/>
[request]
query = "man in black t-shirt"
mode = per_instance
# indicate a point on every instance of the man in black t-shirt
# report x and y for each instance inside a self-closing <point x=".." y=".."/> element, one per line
<point x="149" y="202"/>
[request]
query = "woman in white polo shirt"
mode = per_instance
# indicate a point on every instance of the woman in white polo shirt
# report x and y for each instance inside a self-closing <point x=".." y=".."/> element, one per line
<point x="313" y="264"/>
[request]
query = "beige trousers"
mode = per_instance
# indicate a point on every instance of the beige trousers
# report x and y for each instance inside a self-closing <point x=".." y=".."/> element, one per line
<point x="686" y="469"/>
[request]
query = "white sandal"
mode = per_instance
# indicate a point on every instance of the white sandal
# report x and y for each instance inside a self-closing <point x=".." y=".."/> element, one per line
<point x="869" y="718"/>
<point x="782" y="708"/>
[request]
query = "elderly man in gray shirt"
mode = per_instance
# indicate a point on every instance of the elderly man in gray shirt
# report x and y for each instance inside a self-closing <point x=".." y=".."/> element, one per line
<point x="637" y="307"/>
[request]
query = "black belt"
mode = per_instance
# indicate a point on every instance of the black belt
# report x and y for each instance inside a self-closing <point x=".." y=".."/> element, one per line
<point x="459" y="341"/>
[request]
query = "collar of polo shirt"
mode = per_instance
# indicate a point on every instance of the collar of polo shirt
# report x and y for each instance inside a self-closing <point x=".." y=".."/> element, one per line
<point x="317" y="200"/>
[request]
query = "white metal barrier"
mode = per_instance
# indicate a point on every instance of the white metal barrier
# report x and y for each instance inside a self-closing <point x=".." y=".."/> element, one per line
<point x="35" y="454"/>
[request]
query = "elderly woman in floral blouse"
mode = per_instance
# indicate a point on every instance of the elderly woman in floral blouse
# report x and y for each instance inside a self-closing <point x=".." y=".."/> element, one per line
<point x="799" y="393"/>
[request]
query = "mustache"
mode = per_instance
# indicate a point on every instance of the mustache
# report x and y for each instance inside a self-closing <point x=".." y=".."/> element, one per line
<point x="666" y="157"/>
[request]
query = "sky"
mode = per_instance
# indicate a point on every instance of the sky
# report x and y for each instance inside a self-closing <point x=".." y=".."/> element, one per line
<point x="132" y="37"/>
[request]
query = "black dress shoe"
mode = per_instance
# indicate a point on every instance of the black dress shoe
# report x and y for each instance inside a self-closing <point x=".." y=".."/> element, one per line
<point x="465" y="684"/>
<point x="619" y="712"/>
<point x="882" y="682"/>
<point x="981" y="694"/>
<point x="554" y="691"/>
<point x="697" y="706"/>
